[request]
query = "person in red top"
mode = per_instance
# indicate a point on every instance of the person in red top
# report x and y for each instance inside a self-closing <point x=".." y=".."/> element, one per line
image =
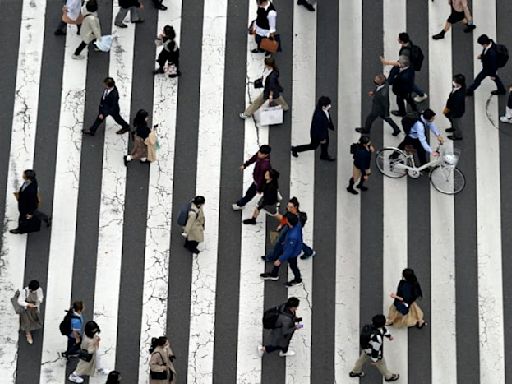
<point x="261" y="161"/>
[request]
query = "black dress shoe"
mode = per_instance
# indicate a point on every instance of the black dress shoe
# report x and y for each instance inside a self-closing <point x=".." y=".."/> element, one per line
<point x="123" y="130"/>
<point x="122" y="25"/>
<point x="362" y="130"/>
<point x="15" y="230"/>
<point x="294" y="152"/>
<point x="469" y="93"/>
<point x="451" y="129"/>
<point x="306" y="5"/>
<point x="161" y="7"/>
<point x="398" y="113"/>
<point x="469" y="28"/>
<point x="396" y="133"/>
<point x="158" y="71"/>
<point x="327" y="158"/>
<point x="498" y="93"/>
<point x="258" y="50"/>
<point x="59" y="32"/>
<point x="455" y="138"/>
<point x="87" y="132"/>
<point x="173" y="75"/>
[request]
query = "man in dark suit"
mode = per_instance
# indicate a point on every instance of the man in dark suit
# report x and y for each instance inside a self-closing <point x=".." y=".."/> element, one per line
<point x="402" y="80"/>
<point x="109" y="105"/>
<point x="320" y="126"/>
<point x="489" y="59"/>
<point x="456" y="106"/>
<point x="380" y="106"/>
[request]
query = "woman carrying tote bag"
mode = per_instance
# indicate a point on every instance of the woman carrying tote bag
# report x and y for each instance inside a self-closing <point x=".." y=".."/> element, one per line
<point x="161" y="368"/>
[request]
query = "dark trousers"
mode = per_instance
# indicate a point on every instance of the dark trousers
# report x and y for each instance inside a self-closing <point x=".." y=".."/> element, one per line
<point x="422" y="154"/>
<point x="157" y="3"/>
<point x="170" y="57"/>
<point x="314" y="145"/>
<point x="117" y="118"/>
<point x="249" y="195"/>
<point x="455" y="123"/>
<point x="81" y="47"/>
<point x="373" y="116"/>
<point x="292" y="262"/>
<point x="401" y="99"/>
<point x="41" y="216"/>
<point x="191" y="245"/>
<point x="72" y="347"/>
<point x="480" y="77"/>
<point x="272" y="348"/>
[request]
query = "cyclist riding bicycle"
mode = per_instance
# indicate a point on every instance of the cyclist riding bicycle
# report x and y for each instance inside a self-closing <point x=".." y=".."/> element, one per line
<point x="416" y="137"/>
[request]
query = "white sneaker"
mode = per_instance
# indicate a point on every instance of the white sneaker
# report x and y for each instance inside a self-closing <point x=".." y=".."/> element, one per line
<point x="236" y="207"/>
<point x="261" y="350"/>
<point x="77" y="57"/>
<point x="75" y="378"/>
<point x="505" y="119"/>
<point x="287" y="354"/>
<point x="419" y="99"/>
<point x="243" y="116"/>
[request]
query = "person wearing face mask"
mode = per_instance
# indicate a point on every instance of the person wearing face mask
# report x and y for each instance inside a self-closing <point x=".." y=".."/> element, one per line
<point x="265" y="23"/>
<point x="456" y="106"/>
<point x="320" y="126"/>
<point x="380" y="106"/>
<point x="271" y="91"/>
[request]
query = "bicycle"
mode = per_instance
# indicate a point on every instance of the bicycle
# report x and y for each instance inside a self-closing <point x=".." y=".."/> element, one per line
<point x="444" y="175"/>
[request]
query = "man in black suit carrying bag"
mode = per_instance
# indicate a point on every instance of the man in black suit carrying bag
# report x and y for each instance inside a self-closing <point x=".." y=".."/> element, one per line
<point x="380" y="106"/>
<point x="109" y="106"/>
<point x="320" y="126"/>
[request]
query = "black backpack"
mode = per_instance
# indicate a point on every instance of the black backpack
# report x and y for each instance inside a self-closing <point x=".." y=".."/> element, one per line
<point x="270" y="317"/>
<point x="366" y="336"/>
<point x="183" y="215"/>
<point x="416" y="57"/>
<point x="303" y="218"/>
<point x="501" y="55"/>
<point x="409" y="120"/>
<point x="65" y="324"/>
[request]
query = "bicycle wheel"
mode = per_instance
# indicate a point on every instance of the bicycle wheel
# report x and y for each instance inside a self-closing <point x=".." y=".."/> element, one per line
<point x="446" y="180"/>
<point x="386" y="160"/>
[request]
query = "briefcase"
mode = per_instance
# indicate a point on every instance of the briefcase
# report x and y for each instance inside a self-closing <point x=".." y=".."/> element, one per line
<point x="269" y="45"/>
<point x="271" y="115"/>
<point x="29" y="225"/>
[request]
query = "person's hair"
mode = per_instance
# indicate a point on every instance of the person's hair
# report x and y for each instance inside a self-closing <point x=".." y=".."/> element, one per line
<point x="404" y="37"/>
<point x="364" y="140"/>
<point x="323" y="101"/>
<point x="29" y="174"/>
<point x="270" y="62"/>
<point x="265" y="149"/>
<point x="404" y="61"/>
<point x="381" y="77"/>
<point x="460" y="79"/>
<point x="274" y="174"/>
<point x="109" y="82"/>
<point x="169" y="32"/>
<point x="292" y="302"/>
<point x="428" y="114"/>
<point x="158" y="342"/>
<point x="410" y="277"/>
<point x="114" y="377"/>
<point x="483" y="39"/>
<point x="91" y="328"/>
<point x="33" y="285"/>
<point x="140" y="117"/>
<point x="77" y="306"/>
<point x="292" y="219"/>
<point x="91" y="6"/>
<point x="199" y="200"/>
<point x="294" y="202"/>
<point x="379" y="321"/>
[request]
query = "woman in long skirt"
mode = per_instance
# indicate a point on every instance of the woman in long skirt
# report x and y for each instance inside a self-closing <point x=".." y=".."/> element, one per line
<point x="90" y="343"/>
<point x="142" y="131"/>
<point x="27" y="306"/>
<point x="405" y="311"/>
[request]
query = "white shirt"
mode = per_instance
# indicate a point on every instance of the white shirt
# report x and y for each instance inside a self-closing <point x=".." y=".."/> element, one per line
<point x="24" y="292"/>
<point x="73" y="9"/>
<point x="272" y="17"/>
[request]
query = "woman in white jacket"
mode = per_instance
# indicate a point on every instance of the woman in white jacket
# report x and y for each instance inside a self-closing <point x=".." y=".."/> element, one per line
<point x="90" y="29"/>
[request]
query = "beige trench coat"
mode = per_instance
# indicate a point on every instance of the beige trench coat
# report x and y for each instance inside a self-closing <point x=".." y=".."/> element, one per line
<point x="83" y="367"/>
<point x="160" y="361"/>
<point x="195" y="224"/>
<point x="151" y="145"/>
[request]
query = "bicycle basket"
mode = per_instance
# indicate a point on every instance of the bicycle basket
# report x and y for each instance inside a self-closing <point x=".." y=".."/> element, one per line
<point x="451" y="158"/>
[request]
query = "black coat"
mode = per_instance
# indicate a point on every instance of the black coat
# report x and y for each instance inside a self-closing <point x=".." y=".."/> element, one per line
<point x="110" y="105"/>
<point x="27" y="199"/>
<point x="380" y="102"/>
<point x="272" y="85"/>
<point x="129" y="3"/>
<point x="490" y="60"/>
<point x="456" y="104"/>
<point x="320" y="126"/>
<point x="402" y="81"/>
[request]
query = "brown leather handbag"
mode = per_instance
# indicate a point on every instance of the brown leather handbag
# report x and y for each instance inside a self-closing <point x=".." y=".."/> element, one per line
<point x="269" y="45"/>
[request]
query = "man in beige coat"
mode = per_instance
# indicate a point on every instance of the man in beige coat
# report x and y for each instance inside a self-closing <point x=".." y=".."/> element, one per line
<point x="90" y="30"/>
<point x="193" y="231"/>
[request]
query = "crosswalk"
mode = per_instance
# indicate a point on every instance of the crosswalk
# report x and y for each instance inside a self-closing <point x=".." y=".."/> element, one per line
<point x="141" y="284"/>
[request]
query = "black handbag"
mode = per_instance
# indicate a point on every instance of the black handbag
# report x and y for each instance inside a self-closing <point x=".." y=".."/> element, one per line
<point x="85" y="355"/>
<point x="258" y="83"/>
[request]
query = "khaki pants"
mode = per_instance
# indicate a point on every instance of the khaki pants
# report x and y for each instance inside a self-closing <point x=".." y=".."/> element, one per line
<point x="258" y="102"/>
<point x="380" y="365"/>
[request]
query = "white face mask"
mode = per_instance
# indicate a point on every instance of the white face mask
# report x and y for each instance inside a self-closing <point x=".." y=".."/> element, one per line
<point x="455" y="85"/>
<point x="327" y="107"/>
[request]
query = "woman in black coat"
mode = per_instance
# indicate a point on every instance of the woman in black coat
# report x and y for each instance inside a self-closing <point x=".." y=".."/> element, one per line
<point x="362" y="154"/>
<point x="320" y="126"/>
<point x="456" y="106"/>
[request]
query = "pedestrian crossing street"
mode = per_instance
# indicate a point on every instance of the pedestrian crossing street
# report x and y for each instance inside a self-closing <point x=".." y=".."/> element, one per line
<point x="114" y="242"/>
